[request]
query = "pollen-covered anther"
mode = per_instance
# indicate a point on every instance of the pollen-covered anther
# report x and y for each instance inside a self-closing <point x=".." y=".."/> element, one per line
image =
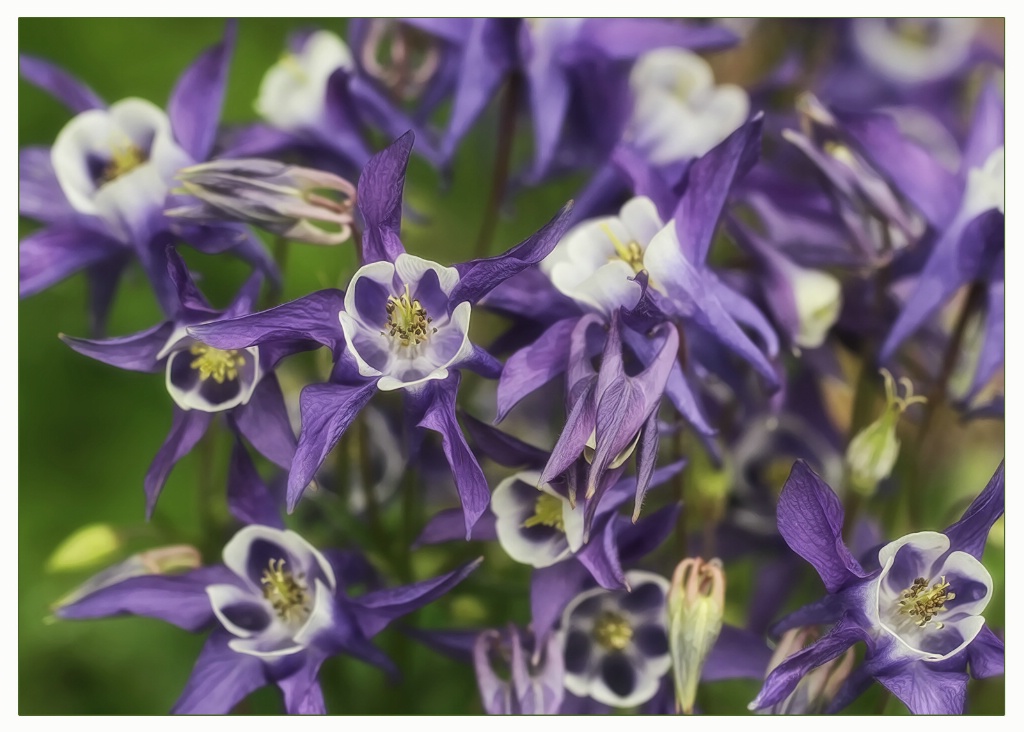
<point x="123" y="159"/>
<point x="923" y="604"/>
<point x="221" y="365"/>
<point x="407" y="320"/>
<point x="612" y="631"/>
<point x="546" y="512"/>
<point x="631" y="253"/>
<point x="285" y="593"/>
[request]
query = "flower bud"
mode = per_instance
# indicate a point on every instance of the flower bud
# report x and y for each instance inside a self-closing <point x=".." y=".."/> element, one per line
<point x="696" y="603"/>
<point x="303" y="204"/>
<point x="872" y="452"/>
<point x="817" y="688"/>
<point x="87" y="547"/>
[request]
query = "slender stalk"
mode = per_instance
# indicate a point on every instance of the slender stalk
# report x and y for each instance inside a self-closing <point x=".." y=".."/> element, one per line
<point x="502" y="160"/>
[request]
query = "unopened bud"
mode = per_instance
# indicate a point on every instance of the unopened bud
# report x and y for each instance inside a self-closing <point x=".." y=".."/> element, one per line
<point x="872" y="452"/>
<point x="696" y="603"/>
<point x="817" y="688"/>
<point x="303" y="204"/>
<point x="87" y="547"/>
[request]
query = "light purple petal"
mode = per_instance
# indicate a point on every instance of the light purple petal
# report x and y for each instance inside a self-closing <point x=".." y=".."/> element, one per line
<point x="551" y="589"/>
<point x="469" y="478"/>
<point x="48" y="256"/>
<point x="481" y="362"/>
<point x="327" y="411"/>
<point x="264" y="422"/>
<point x="187" y="428"/>
<point x="987" y="128"/>
<point x="382" y="606"/>
<point x="986" y="655"/>
<point x="737" y="654"/>
<point x="926" y="690"/>
<point x="627" y="38"/>
<point x="195" y="103"/>
<point x="302" y="692"/>
<point x="450" y="525"/>
<point x="220" y="679"/>
<point x="39" y="193"/>
<point x="64" y="87"/>
<point x="549" y="103"/>
<point x="810" y="519"/>
<point x="601" y="558"/>
<point x="646" y="457"/>
<point x="970" y="533"/>
<point x="530" y="368"/>
<point x="136" y="352"/>
<point x="480" y="276"/>
<point x="379" y="198"/>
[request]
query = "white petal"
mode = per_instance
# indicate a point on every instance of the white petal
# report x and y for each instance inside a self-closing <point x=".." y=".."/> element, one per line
<point x="411" y="269"/>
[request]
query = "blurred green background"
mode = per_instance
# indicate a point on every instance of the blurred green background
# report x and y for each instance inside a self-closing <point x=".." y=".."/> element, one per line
<point x="87" y="432"/>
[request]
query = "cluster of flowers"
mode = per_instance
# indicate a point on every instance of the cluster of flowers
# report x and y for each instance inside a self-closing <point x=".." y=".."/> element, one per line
<point x="728" y="247"/>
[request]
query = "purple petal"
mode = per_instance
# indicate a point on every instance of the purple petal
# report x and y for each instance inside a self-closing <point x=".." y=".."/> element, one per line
<point x="48" y="256"/>
<point x="382" y="606"/>
<point x="747" y="313"/>
<point x="187" y="428"/>
<point x="926" y="690"/>
<point x="646" y="180"/>
<point x="970" y="533"/>
<point x="549" y="104"/>
<point x="264" y="422"/>
<point x="481" y="362"/>
<point x="450" y="525"/>
<point x="177" y="599"/>
<point x="343" y="119"/>
<point x="992" y="347"/>
<point x="302" y="692"/>
<point x="987" y="128"/>
<point x="627" y="38"/>
<point x="313" y="317"/>
<point x="810" y="519"/>
<point x="249" y="499"/>
<point x="220" y="679"/>
<point x="601" y="558"/>
<point x="327" y="411"/>
<point x="710" y="180"/>
<point x="737" y="654"/>
<point x="530" y="368"/>
<point x="825" y="611"/>
<point x="502" y="447"/>
<point x="551" y="589"/>
<point x="640" y="539"/>
<point x="379" y="197"/>
<point x="193" y="302"/>
<point x="678" y="390"/>
<point x="103" y="278"/>
<point x="646" y="457"/>
<point x="469" y="478"/>
<point x="64" y="87"/>
<point x="39" y="193"/>
<point x="986" y="655"/>
<point x="784" y="678"/>
<point x="480" y="276"/>
<point x="195" y="103"/>
<point x="136" y="352"/>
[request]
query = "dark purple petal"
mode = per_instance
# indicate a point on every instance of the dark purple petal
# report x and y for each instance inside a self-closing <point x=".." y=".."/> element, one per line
<point x="220" y="679"/>
<point x="530" y="368"/>
<point x="379" y="198"/>
<point x="627" y="38"/>
<point x="747" y="313"/>
<point x="710" y="180"/>
<point x="551" y="590"/>
<point x="103" y="278"/>
<point x="601" y="558"/>
<point x="179" y="599"/>
<point x="39" y="193"/>
<point x="197" y="97"/>
<point x="313" y="317"/>
<point x="450" y="525"/>
<point x="810" y="519"/>
<point x="187" y="428"/>
<point x="64" y="87"/>
<point x="825" y="611"/>
<point x="480" y="276"/>
<point x="579" y="425"/>
<point x="986" y="654"/>
<point x="264" y="422"/>
<point x="469" y="478"/>
<point x="502" y="447"/>
<point x="343" y="121"/>
<point x="136" y="352"/>
<point x="375" y="610"/>
<point x="47" y="256"/>
<point x="481" y="362"/>
<point x="193" y="302"/>
<point x="926" y="690"/>
<point x="992" y="347"/>
<point x="784" y="678"/>
<point x="249" y="499"/>
<point x="549" y="92"/>
<point x="640" y="539"/>
<point x="970" y="533"/>
<point x="737" y="654"/>
<point x="327" y="411"/>
<point x="646" y="457"/>
<point x="646" y="180"/>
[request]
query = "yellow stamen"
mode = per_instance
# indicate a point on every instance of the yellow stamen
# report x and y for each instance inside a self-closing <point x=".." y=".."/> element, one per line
<point x="547" y="512"/>
<point x="630" y="253"/>
<point x="290" y="63"/>
<point x="407" y="320"/>
<point x="124" y="158"/>
<point x="221" y="365"/>
<point x="612" y="631"/>
<point x="286" y="594"/>
<point x="923" y="604"/>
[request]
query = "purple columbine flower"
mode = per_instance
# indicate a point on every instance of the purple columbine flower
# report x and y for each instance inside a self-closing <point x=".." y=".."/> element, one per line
<point x="402" y="325"/>
<point x="101" y="189"/>
<point x="203" y="380"/>
<point x="919" y="612"/>
<point x="278" y="608"/>
<point x="536" y="683"/>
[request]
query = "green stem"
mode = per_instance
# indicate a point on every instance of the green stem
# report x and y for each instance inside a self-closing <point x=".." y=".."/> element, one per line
<point x="503" y="158"/>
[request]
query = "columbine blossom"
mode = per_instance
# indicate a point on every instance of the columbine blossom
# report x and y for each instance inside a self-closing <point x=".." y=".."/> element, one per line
<point x="402" y="325"/>
<point x="919" y="612"/>
<point x="278" y="608"/>
<point x="101" y="189"/>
